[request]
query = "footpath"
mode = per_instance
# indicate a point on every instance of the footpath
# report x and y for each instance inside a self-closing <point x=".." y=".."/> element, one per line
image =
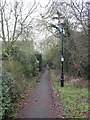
<point x="41" y="102"/>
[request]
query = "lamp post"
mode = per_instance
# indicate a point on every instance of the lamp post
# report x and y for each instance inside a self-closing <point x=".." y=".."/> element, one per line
<point x="60" y="19"/>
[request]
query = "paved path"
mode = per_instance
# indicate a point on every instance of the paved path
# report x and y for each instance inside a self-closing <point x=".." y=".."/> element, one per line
<point x="39" y="103"/>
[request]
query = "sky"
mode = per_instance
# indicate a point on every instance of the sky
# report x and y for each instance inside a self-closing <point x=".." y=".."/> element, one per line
<point x="27" y="3"/>
<point x="39" y="36"/>
<point x="43" y="2"/>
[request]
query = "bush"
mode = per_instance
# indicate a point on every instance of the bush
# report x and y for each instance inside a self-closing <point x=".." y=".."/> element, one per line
<point x="31" y="65"/>
<point x="9" y="92"/>
<point x="5" y="98"/>
<point x="28" y="61"/>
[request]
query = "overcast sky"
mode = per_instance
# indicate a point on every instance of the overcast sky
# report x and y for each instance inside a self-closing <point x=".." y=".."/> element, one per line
<point x="43" y="3"/>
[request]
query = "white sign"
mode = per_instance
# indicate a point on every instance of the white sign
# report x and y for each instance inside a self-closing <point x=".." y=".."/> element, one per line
<point x="62" y="59"/>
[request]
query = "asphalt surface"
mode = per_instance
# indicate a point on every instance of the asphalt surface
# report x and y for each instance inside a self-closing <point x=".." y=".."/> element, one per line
<point x="39" y="103"/>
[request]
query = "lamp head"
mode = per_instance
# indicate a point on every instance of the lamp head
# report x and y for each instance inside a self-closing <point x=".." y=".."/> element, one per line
<point x="61" y="19"/>
<point x="55" y="16"/>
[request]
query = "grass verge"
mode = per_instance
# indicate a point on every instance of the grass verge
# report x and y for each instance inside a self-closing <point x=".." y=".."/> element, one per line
<point x="74" y="100"/>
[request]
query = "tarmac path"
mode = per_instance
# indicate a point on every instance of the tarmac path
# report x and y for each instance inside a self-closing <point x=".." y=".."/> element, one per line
<point x="40" y="103"/>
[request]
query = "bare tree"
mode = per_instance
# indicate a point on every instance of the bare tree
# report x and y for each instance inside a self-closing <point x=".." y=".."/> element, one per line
<point x="2" y="4"/>
<point x="15" y="18"/>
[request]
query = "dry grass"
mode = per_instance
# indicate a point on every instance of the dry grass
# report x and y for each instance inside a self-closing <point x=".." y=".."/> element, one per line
<point x="78" y="82"/>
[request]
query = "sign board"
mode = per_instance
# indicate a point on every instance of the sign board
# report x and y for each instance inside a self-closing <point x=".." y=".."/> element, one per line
<point x="62" y="59"/>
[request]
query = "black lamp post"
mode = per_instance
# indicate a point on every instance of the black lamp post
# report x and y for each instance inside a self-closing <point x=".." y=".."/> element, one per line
<point x="60" y="19"/>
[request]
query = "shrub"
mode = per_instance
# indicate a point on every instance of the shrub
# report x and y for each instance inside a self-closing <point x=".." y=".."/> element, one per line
<point x="9" y="92"/>
<point x="31" y="65"/>
<point x="29" y="61"/>
<point x="5" y="98"/>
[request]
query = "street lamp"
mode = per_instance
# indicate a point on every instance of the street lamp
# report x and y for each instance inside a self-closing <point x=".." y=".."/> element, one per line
<point x="61" y="20"/>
